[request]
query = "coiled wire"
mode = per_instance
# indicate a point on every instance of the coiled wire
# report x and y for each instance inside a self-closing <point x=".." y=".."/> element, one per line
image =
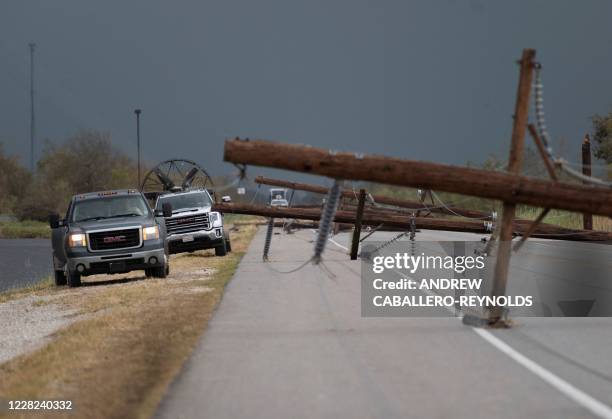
<point x="390" y="242"/>
<point x="268" y="241"/>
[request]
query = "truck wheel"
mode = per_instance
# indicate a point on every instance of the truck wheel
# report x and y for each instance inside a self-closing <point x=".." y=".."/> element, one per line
<point x="221" y="250"/>
<point x="60" y="278"/>
<point x="74" y="279"/>
<point x="161" y="272"/>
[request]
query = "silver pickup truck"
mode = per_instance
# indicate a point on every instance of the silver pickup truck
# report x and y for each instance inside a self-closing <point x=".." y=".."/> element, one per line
<point x="193" y="225"/>
<point x="106" y="233"/>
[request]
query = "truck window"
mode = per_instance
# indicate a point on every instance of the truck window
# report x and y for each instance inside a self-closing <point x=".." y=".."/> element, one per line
<point x="185" y="201"/>
<point x="109" y="207"/>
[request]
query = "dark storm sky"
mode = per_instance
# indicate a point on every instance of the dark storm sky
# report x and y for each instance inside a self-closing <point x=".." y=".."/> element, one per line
<point x="432" y="80"/>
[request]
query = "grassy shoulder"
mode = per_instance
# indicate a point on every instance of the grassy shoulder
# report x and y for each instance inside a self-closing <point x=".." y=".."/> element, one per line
<point x="28" y="229"/>
<point x="132" y="340"/>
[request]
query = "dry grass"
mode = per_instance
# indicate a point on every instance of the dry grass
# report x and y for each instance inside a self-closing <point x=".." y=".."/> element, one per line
<point x="137" y="333"/>
<point x="43" y="287"/>
<point x="566" y="219"/>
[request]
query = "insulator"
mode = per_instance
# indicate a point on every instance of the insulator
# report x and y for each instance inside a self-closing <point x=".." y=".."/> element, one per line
<point x="327" y="219"/>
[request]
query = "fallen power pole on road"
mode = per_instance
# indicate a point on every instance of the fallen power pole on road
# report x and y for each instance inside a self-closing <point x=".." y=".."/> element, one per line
<point x="402" y="222"/>
<point x="464" y="180"/>
<point x="510" y="187"/>
<point x="378" y="199"/>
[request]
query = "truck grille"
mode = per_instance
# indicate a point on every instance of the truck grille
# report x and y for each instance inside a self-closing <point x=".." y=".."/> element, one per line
<point x="187" y="224"/>
<point x="114" y="239"/>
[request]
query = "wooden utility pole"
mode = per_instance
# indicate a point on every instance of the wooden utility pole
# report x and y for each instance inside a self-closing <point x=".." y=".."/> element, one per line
<point x="587" y="219"/>
<point x="515" y="162"/>
<point x="440" y="177"/>
<point x="358" y="219"/>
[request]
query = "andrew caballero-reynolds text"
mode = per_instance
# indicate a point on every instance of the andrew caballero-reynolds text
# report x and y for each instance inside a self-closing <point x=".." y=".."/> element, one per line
<point x="430" y="286"/>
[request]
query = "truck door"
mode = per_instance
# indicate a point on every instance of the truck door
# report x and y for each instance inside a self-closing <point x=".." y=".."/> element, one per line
<point x="58" y="241"/>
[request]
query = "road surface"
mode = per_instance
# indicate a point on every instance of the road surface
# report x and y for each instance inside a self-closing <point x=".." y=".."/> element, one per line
<point x="24" y="262"/>
<point x="295" y="346"/>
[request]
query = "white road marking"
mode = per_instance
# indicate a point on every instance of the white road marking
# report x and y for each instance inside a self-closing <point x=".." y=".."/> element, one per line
<point x="338" y="244"/>
<point x="332" y="241"/>
<point x="593" y="405"/>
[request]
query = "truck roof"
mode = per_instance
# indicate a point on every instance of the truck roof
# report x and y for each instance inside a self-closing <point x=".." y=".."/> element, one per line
<point x="105" y="194"/>
<point x="189" y="191"/>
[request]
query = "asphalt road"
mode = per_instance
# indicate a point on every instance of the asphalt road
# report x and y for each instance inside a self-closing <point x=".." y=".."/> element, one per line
<point x="24" y="262"/>
<point x="295" y="345"/>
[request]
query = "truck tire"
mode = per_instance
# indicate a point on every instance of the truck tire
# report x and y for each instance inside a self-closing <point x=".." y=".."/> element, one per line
<point x="60" y="278"/>
<point x="221" y="250"/>
<point x="74" y="279"/>
<point x="161" y="272"/>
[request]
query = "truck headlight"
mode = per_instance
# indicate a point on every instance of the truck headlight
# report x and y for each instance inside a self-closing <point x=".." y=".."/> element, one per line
<point x="215" y="219"/>
<point x="77" y="240"/>
<point x="150" y="233"/>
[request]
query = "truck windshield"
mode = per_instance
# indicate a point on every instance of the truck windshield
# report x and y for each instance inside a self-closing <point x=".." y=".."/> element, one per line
<point x="182" y="202"/>
<point x="277" y="194"/>
<point x="109" y="207"/>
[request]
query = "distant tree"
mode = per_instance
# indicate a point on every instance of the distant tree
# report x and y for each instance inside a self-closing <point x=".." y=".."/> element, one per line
<point x="602" y="135"/>
<point x="14" y="180"/>
<point x="86" y="162"/>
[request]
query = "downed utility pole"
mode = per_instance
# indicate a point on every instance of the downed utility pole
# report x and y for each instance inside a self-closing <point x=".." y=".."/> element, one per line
<point x="379" y="199"/>
<point x="402" y="222"/>
<point x="464" y="180"/>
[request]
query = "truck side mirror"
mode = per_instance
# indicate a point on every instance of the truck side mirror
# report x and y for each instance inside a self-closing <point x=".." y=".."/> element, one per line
<point x="167" y="209"/>
<point x="54" y="220"/>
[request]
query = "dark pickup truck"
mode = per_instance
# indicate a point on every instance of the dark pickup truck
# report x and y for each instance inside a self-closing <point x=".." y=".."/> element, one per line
<point x="106" y="233"/>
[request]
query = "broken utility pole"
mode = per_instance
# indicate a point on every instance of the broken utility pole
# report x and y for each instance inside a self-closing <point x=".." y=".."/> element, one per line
<point x="464" y="180"/>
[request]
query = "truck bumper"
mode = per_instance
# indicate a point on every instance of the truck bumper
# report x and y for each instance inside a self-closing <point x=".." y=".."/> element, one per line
<point x="118" y="263"/>
<point x="197" y="240"/>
